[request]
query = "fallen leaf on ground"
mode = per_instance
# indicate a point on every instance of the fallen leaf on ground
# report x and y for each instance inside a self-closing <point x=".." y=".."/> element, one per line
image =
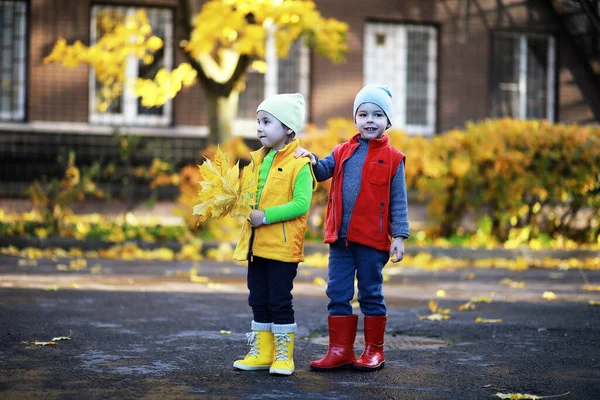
<point x="549" y="296"/>
<point x="468" y="306"/>
<point x="36" y="343"/>
<point x="441" y="293"/>
<point x="96" y="269"/>
<point x="319" y="281"/>
<point x="591" y="288"/>
<point x="481" y="320"/>
<point x="434" y="317"/>
<point x="78" y="264"/>
<point x="56" y="339"/>
<point x="437" y="314"/>
<point x="194" y="277"/>
<point x="513" y="284"/>
<point x="525" y="396"/>
<point x="433" y="306"/>
<point x="594" y="303"/>
<point x="482" y="299"/>
<point x="468" y="276"/>
<point x="224" y="332"/>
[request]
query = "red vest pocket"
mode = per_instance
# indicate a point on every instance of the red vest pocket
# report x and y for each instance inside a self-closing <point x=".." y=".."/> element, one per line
<point x="379" y="173"/>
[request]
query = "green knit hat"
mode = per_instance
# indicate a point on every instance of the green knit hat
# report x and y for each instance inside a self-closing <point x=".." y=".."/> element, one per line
<point x="287" y="108"/>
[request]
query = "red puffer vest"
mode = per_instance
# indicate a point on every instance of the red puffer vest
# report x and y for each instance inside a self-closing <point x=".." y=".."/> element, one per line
<point x="370" y="223"/>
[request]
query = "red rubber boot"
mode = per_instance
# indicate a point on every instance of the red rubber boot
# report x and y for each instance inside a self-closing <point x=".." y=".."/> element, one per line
<point x="372" y="357"/>
<point x="342" y="332"/>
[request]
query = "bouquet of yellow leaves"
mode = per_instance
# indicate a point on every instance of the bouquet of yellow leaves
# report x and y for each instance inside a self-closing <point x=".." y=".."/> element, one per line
<point x="224" y="191"/>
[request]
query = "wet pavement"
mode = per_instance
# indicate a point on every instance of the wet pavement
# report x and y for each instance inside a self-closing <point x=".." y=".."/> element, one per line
<point x="144" y="330"/>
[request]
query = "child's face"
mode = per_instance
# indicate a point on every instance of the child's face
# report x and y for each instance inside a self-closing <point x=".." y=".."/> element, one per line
<point x="371" y="121"/>
<point x="270" y="131"/>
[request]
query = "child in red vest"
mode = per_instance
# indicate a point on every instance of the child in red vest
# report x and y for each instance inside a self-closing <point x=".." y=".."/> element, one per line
<point x="366" y="224"/>
<point x="272" y="240"/>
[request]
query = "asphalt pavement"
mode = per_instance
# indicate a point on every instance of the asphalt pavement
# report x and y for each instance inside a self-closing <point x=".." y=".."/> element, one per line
<point x="145" y="330"/>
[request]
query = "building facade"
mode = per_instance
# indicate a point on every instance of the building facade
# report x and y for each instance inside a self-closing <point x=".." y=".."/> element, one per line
<point x="447" y="62"/>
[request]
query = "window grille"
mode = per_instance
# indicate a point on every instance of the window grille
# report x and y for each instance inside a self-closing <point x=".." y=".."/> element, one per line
<point x="523" y="69"/>
<point x="404" y="57"/>
<point x="127" y="109"/>
<point x="290" y="75"/>
<point x="13" y="60"/>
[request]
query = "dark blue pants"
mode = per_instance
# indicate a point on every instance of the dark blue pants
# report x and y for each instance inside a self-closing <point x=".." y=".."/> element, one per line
<point x="270" y="283"/>
<point x="347" y="259"/>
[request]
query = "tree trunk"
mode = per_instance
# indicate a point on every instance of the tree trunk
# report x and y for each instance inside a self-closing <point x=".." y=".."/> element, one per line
<point x="222" y="112"/>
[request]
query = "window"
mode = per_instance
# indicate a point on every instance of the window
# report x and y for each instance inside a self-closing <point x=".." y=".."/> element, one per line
<point x="404" y="57"/>
<point x="13" y="60"/>
<point x="283" y="75"/>
<point x="127" y="109"/>
<point x="523" y="69"/>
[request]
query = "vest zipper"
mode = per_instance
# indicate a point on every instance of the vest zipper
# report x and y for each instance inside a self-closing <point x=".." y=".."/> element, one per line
<point x="251" y="244"/>
<point x="381" y="217"/>
<point x="283" y="228"/>
<point x="250" y="256"/>
<point x="340" y="192"/>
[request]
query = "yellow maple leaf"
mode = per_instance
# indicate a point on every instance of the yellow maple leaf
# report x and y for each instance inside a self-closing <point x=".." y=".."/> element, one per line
<point x="223" y="191"/>
<point x="468" y="306"/>
<point x="434" y="317"/>
<point x="591" y="288"/>
<point x="482" y="299"/>
<point x="513" y="284"/>
<point x="319" y="281"/>
<point x="481" y="320"/>
<point x="549" y="296"/>
<point x="525" y="396"/>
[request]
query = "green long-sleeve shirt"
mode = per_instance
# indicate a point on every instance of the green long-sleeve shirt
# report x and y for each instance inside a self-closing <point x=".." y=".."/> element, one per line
<point x="300" y="203"/>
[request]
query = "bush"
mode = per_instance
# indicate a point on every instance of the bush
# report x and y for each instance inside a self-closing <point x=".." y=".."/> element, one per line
<point x="520" y="179"/>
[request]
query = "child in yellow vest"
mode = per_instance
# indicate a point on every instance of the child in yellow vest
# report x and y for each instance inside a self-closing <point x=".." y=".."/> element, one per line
<point x="272" y="240"/>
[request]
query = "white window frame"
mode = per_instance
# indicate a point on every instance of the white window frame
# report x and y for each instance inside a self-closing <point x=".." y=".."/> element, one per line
<point x="247" y="127"/>
<point x="521" y="85"/>
<point x="129" y="114"/>
<point x="399" y="55"/>
<point x="19" y="114"/>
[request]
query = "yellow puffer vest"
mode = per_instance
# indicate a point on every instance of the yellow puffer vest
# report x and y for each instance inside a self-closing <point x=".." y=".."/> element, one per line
<point x="282" y="241"/>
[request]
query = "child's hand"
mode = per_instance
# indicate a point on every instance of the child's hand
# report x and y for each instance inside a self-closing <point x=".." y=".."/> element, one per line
<point x="398" y="248"/>
<point x="302" y="152"/>
<point x="256" y="218"/>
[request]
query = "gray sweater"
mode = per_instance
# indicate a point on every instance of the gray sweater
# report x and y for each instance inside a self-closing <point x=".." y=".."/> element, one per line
<point x="351" y="187"/>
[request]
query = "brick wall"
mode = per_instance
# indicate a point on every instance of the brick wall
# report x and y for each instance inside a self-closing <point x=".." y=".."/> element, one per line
<point x="464" y="56"/>
<point x="56" y="94"/>
<point x="59" y="94"/>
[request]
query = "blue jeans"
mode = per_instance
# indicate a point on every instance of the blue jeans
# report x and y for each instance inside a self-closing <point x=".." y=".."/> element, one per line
<point x="347" y="259"/>
<point x="270" y="283"/>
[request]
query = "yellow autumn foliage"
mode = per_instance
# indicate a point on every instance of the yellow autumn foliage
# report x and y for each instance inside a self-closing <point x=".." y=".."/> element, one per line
<point x="108" y="56"/>
<point x="222" y="31"/>
<point x="524" y="183"/>
<point x="223" y="191"/>
<point x="243" y="25"/>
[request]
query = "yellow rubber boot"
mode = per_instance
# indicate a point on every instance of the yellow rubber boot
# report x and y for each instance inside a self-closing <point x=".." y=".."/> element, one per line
<point x="283" y="363"/>
<point x="260" y="341"/>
